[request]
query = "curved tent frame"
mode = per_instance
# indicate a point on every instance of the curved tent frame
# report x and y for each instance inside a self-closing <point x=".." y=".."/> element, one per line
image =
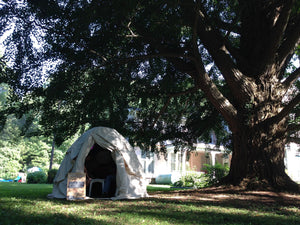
<point x="129" y="178"/>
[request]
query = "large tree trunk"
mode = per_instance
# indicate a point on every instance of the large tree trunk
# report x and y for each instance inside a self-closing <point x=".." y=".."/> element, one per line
<point x="258" y="158"/>
<point x="253" y="71"/>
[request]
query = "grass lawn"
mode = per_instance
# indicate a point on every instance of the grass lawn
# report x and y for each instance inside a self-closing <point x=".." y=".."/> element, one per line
<point x="28" y="204"/>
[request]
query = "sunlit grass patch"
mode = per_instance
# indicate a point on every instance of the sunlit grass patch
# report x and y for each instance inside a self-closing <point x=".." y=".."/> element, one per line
<point x="28" y="204"/>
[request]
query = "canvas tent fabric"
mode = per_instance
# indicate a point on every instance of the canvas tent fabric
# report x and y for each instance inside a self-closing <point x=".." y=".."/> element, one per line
<point x="129" y="177"/>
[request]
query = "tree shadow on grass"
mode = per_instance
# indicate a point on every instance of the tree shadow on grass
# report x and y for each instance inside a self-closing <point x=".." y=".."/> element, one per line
<point x="220" y="194"/>
<point x="151" y="211"/>
<point x="208" y="217"/>
<point x="182" y="208"/>
<point x="184" y="211"/>
<point x="20" y="217"/>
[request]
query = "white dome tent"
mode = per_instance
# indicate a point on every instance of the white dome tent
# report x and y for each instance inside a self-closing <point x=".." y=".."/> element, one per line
<point x="130" y="181"/>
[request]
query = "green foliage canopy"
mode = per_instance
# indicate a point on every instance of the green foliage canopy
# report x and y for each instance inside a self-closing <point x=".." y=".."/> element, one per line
<point x="175" y="65"/>
<point x="101" y="73"/>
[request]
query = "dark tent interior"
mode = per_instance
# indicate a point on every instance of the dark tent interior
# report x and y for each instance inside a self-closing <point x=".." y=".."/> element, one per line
<point x="99" y="164"/>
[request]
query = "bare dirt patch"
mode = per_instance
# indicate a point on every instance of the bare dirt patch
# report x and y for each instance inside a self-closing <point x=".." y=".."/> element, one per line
<point x="232" y="195"/>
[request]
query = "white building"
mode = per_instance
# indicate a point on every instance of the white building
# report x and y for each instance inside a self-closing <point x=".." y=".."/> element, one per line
<point x="292" y="161"/>
<point x="176" y="164"/>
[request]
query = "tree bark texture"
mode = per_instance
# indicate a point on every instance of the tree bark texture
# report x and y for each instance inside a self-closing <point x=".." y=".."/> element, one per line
<point x="257" y="111"/>
<point x="258" y="159"/>
<point x="259" y="149"/>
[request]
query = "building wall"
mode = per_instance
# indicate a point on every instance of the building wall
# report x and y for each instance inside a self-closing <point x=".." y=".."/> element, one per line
<point x="196" y="160"/>
<point x="223" y="159"/>
<point x="156" y="164"/>
<point x="292" y="161"/>
<point x="161" y="165"/>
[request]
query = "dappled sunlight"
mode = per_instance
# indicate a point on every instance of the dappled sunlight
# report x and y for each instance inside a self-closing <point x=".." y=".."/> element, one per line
<point x="223" y="195"/>
<point x="146" y="211"/>
<point x="204" y="206"/>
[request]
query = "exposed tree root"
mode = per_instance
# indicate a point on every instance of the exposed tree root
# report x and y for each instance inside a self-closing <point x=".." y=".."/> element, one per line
<point x="284" y="184"/>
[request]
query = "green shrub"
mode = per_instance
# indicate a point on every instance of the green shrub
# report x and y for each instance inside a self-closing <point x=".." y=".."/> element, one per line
<point x="51" y="174"/>
<point x="194" y="180"/>
<point x="38" y="177"/>
<point x="215" y="173"/>
<point x="9" y="162"/>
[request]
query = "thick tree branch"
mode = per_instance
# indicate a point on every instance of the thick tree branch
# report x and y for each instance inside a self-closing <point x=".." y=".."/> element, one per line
<point x="280" y="21"/>
<point x="222" y="104"/>
<point x="292" y="78"/>
<point x="285" y="111"/>
<point x="241" y="86"/>
<point x="292" y="128"/>
<point x="203" y="81"/>
<point x="294" y="139"/>
<point x="241" y="61"/>
<point x="264" y="29"/>
<point x="283" y="66"/>
<point x="291" y="39"/>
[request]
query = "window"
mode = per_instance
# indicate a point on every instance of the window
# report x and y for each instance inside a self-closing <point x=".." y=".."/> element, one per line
<point x="179" y="161"/>
<point x="147" y="160"/>
<point x="173" y="161"/>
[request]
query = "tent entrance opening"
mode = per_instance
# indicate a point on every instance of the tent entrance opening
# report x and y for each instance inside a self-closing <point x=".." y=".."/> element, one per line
<point x="99" y="164"/>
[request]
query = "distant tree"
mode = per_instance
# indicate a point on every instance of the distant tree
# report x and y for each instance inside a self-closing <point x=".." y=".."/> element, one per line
<point x="21" y="144"/>
<point x="167" y="61"/>
<point x="9" y="162"/>
<point x="34" y="152"/>
<point x="9" y="126"/>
